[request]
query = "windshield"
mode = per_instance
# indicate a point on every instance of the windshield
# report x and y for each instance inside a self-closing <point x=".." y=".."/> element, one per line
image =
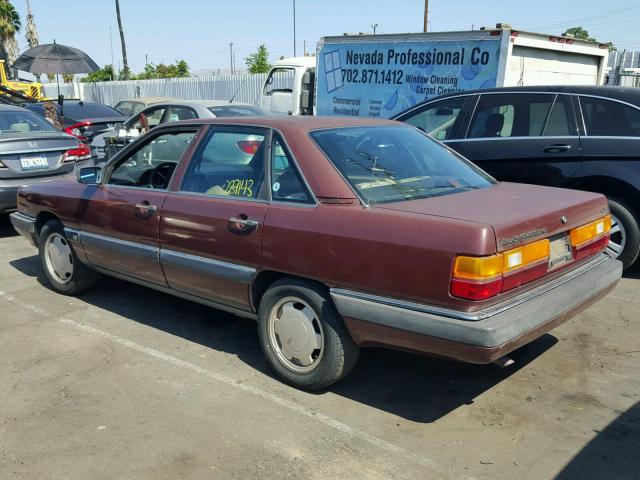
<point x="236" y="111"/>
<point x="393" y="163"/>
<point x="17" y="121"/>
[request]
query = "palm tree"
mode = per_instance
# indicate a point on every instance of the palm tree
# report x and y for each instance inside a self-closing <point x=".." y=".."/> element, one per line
<point x="9" y="25"/>
<point x="125" y="64"/>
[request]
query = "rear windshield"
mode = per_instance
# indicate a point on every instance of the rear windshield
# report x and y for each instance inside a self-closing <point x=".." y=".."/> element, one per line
<point x="236" y="111"/>
<point x="88" y="110"/>
<point x="394" y="163"/>
<point x="17" y="121"/>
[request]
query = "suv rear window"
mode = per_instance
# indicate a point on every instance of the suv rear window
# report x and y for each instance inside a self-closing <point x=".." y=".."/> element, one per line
<point x="394" y="163"/>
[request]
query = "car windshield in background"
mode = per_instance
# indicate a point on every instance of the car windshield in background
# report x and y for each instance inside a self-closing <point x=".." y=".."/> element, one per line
<point x="236" y="111"/>
<point x="17" y="122"/>
<point x="394" y="163"/>
<point x="89" y="110"/>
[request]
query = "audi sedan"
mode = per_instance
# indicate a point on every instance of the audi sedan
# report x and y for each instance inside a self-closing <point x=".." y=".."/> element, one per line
<point x="333" y="234"/>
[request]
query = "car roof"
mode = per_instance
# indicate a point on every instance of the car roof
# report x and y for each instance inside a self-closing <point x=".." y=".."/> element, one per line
<point x="289" y="123"/>
<point x="207" y="103"/>
<point x="11" y="108"/>
<point x="148" y="100"/>
<point x="631" y="95"/>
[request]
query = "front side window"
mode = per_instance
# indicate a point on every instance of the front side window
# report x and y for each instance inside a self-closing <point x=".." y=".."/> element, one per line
<point x="279" y="80"/>
<point x="394" y="163"/>
<point x="520" y="115"/>
<point x="148" y="119"/>
<point x="152" y="165"/>
<point x="228" y="163"/>
<point x="175" y="114"/>
<point x="286" y="183"/>
<point x="438" y="119"/>
<point x="607" y="118"/>
<point x="125" y="108"/>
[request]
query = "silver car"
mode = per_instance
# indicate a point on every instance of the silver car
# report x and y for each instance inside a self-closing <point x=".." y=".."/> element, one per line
<point x="33" y="150"/>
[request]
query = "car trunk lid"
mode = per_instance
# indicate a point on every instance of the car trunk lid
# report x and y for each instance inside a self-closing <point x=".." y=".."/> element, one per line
<point x="32" y="156"/>
<point x="518" y="213"/>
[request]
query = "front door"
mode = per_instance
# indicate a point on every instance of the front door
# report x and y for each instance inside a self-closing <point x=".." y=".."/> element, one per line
<point x="120" y="225"/>
<point x="523" y="137"/>
<point x="211" y="226"/>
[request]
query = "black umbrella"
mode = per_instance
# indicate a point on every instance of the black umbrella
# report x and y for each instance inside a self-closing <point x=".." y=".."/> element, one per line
<point x="55" y="58"/>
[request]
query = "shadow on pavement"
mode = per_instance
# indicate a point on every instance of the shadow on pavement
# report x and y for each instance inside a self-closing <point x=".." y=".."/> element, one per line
<point x="414" y="387"/>
<point x="6" y="229"/>
<point x="614" y="453"/>
<point x="633" y="271"/>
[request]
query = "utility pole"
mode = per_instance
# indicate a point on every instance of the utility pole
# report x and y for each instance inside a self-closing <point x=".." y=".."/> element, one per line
<point x="294" y="28"/>
<point x="113" y="63"/>
<point x="374" y="27"/>
<point x="426" y="15"/>
<point x="146" y="59"/>
<point x="124" y="47"/>
<point x="231" y="56"/>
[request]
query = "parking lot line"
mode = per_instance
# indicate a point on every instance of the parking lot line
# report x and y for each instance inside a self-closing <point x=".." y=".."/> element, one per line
<point x="302" y="410"/>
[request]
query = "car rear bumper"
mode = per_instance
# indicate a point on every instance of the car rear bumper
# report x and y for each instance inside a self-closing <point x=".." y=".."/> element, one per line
<point x="484" y="336"/>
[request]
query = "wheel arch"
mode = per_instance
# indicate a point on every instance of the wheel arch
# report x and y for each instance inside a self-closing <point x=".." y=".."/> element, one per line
<point x="42" y="218"/>
<point x="265" y="278"/>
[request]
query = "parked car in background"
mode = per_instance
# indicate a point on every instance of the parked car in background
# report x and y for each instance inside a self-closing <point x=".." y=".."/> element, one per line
<point x="83" y="120"/>
<point x="33" y="150"/>
<point x="333" y="233"/>
<point x="131" y="106"/>
<point x="585" y="138"/>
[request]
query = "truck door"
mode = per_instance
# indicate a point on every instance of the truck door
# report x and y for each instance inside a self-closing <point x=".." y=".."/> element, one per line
<point x="523" y="137"/>
<point x="278" y="95"/>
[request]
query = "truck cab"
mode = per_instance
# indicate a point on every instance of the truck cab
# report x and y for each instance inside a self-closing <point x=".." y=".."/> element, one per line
<point x="289" y="87"/>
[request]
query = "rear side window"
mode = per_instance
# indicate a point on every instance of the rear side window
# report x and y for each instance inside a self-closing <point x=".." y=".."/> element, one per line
<point x="125" y="108"/>
<point x="286" y="183"/>
<point x="521" y="115"/>
<point x="607" y="118"/>
<point x="175" y="114"/>
<point x="438" y="119"/>
<point x="228" y="163"/>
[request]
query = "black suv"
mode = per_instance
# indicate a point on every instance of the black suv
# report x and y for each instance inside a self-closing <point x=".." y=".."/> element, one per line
<point x="586" y="138"/>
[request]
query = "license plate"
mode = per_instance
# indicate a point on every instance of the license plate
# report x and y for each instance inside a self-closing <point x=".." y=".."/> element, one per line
<point x="32" y="163"/>
<point x="559" y="252"/>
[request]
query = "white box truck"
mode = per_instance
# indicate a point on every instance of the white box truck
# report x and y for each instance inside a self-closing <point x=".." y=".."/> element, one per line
<point x="381" y="75"/>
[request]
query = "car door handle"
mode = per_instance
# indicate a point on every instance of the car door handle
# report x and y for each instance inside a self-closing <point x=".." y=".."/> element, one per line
<point x="557" y="148"/>
<point x="145" y="209"/>
<point x="241" y="224"/>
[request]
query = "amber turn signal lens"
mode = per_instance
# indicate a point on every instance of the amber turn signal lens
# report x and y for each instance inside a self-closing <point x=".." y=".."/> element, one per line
<point x="536" y="251"/>
<point x="590" y="231"/>
<point x="478" y="268"/>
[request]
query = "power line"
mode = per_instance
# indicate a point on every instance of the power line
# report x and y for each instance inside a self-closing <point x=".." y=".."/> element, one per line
<point x="584" y="19"/>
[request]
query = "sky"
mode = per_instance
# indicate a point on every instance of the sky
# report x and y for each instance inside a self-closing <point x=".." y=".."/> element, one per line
<point x="199" y="31"/>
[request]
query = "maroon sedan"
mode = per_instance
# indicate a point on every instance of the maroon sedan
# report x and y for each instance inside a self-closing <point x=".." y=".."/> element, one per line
<point x="333" y="234"/>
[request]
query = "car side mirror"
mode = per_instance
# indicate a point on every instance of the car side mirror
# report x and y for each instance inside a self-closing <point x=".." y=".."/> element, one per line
<point x="444" y="112"/>
<point x="89" y="175"/>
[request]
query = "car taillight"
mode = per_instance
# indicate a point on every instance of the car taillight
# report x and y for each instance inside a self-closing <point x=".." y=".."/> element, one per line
<point x="249" y="146"/>
<point x="590" y="238"/>
<point x="76" y="129"/>
<point x="479" y="278"/>
<point x="81" y="152"/>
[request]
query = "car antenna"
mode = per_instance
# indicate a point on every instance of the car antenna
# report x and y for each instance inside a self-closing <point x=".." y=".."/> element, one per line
<point x="237" y="90"/>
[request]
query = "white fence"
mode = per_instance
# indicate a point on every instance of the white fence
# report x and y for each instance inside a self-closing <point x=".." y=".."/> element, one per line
<point x="245" y="87"/>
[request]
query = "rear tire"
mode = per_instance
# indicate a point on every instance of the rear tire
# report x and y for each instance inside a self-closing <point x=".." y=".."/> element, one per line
<point x="625" y="233"/>
<point x="302" y="335"/>
<point x="65" y="273"/>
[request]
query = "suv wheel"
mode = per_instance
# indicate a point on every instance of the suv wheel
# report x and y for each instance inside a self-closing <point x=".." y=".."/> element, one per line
<point x="64" y="271"/>
<point x="624" y="243"/>
<point x="302" y="335"/>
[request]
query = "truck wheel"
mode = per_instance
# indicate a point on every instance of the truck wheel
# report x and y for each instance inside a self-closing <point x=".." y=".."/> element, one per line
<point x="302" y="335"/>
<point x="624" y="243"/>
<point x="65" y="273"/>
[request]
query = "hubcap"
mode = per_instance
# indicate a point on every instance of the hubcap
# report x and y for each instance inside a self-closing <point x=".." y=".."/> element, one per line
<point x="295" y="334"/>
<point x="58" y="258"/>
<point x="617" y="238"/>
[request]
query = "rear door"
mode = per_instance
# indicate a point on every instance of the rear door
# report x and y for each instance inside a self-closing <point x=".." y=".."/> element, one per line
<point x="121" y="217"/>
<point x="523" y="137"/>
<point x="211" y="230"/>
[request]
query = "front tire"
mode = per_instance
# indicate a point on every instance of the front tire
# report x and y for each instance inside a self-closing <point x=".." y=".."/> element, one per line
<point x="302" y="335"/>
<point x="624" y="243"/>
<point x="65" y="273"/>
